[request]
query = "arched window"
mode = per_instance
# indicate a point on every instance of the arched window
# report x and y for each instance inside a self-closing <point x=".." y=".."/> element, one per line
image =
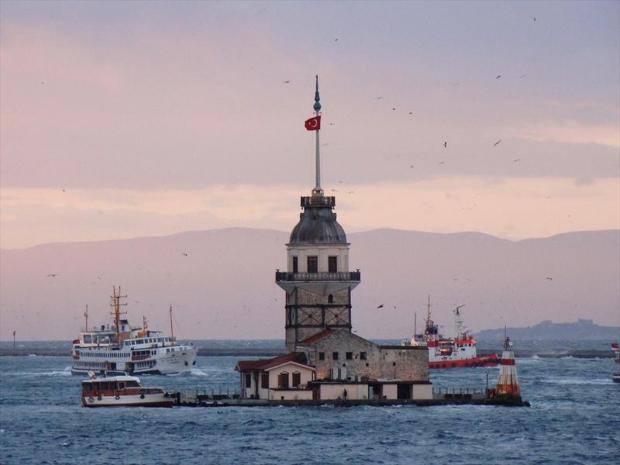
<point x="283" y="380"/>
<point x="330" y="299"/>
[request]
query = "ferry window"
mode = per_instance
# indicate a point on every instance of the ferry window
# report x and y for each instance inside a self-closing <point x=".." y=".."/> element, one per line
<point x="321" y="355"/>
<point x="121" y="385"/>
<point x="296" y="379"/>
<point x="362" y="355"/>
<point x="248" y="380"/>
<point x="332" y="264"/>
<point x="295" y="265"/>
<point x="334" y="355"/>
<point x="349" y="355"/>
<point x="103" y="386"/>
<point x="87" y="339"/>
<point x="264" y="380"/>
<point x="313" y="264"/>
<point x="131" y="384"/>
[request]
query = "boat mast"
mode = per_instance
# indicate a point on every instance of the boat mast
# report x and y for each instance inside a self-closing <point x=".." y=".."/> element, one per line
<point x="116" y="305"/>
<point x="171" y="327"/>
<point x="86" y="316"/>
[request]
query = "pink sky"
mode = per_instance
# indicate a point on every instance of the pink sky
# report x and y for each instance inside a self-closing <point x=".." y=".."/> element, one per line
<point x="131" y="119"/>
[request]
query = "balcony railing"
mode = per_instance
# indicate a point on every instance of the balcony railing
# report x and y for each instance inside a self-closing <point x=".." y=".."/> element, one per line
<point x="318" y="201"/>
<point x="338" y="276"/>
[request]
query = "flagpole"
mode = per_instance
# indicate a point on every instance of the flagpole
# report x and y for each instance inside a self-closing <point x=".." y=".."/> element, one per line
<point x="317" y="111"/>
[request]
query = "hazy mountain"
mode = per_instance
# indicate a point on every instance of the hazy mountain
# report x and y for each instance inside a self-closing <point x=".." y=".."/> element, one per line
<point x="221" y="282"/>
<point x="549" y="331"/>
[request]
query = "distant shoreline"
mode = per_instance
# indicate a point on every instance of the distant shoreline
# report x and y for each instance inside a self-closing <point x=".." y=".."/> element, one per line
<point x="252" y="352"/>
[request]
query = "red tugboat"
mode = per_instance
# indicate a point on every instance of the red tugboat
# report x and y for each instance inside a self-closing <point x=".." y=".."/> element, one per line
<point x="456" y="352"/>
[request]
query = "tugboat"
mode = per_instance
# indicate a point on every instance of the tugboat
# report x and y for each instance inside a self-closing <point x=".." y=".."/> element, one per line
<point x="615" y="347"/>
<point x="121" y="391"/>
<point x="446" y="352"/>
<point x="123" y="349"/>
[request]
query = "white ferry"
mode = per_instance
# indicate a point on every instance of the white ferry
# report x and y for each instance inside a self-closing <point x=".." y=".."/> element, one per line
<point x="120" y="348"/>
<point x="122" y="391"/>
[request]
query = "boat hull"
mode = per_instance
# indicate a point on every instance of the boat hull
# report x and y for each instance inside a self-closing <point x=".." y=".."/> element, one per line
<point x="172" y="363"/>
<point x="148" y="400"/>
<point x="482" y="361"/>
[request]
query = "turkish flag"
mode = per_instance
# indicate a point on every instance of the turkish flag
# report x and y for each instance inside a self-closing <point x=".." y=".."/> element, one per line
<point x="313" y="124"/>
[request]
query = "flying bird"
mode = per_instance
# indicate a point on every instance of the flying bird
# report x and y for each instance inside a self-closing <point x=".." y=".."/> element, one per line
<point x="380" y="97"/>
<point x="380" y="306"/>
<point x="441" y="162"/>
<point x="498" y="76"/>
<point x="497" y="143"/>
<point x="534" y="18"/>
<point x="445" y="145"/>
<point x="549" y="278"/>
<point x="393" y="108"/>
<point x="411" y="113"/>
<point x="516" y="160"/>
<point x="336" y="39"/>
<point x="523" y="76"/>
<point x="185" y="254"/>
<point x="286" y="82"/>
<point x="52" y="275"/>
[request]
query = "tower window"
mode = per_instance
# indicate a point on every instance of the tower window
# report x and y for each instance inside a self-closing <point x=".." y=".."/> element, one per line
<point x="332" y="264"/>
<point x="349" y="355"/>
<point x="295" y="265"/>
<point x="362" y="355"/>
<point x="334" y="355"/>
<point x="330" y="299"/>
<point x="321" y="355"/>
<point x="313" y="264"/>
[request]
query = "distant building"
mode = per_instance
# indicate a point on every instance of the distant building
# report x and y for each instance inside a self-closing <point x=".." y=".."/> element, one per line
<point x="326" y="360"/>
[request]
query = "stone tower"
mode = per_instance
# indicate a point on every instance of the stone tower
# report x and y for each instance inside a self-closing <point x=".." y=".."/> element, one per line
<point x="317" y="282"/>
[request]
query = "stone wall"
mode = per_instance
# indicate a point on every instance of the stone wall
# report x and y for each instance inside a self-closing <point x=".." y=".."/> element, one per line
<point x="361" y="359"/>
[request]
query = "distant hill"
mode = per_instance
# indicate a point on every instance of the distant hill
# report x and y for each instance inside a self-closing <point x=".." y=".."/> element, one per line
<point x="547" y="330"/>
<point x="221" y="282"/>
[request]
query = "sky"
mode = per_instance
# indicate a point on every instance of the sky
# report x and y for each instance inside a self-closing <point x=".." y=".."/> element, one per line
<point x="125" y="119"/>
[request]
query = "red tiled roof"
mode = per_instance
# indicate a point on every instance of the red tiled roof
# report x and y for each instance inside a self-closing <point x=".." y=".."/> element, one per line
<point x="264" y="363"/>
<point x="317" y="337"/>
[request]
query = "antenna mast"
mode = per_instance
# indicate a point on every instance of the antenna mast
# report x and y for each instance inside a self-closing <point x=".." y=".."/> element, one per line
<point x="317" y="111"/>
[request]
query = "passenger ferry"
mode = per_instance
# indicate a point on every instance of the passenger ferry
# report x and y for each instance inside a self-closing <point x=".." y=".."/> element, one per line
<point x="120" y="348"/>
<point x="122" y="391"/>
<point x="446" y="352"/>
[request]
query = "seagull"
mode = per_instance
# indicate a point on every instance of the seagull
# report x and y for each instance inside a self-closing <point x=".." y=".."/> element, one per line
<point x="63" y="189"/>
<point x="549" y="278"/>
<point x="380" y="97"/>
<point x="380" y="306"/>
<point x="534" y="18"/>
<point x="331" y="124"/>
<point x="516" y="160"/>
<point x="441" y="162"/>
<point x="445" y="145"/>
<point x="497" y="143"/>
<point x="411" y="113"/>
<point x="52" y="275"/>
<point x="286" y="82"/>
<point x="393" y="108"/>
<point x="185" y="254"/>
<point x="410" y="166"/>
<point x="523" y="76"/>
<point x="498" y="76"/>
<point x="336" y="39"/>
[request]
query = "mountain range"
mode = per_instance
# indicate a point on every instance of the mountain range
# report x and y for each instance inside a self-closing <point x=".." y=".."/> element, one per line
<point x="221" y="282"/>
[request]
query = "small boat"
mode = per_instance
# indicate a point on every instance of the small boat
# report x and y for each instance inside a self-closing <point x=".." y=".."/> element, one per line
<point x="615" y="347"/>
<point x="444" y="352"/>
<point x="121" y="391"/>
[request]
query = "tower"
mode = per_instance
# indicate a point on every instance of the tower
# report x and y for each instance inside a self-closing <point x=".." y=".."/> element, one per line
<point x="317" y="282"/>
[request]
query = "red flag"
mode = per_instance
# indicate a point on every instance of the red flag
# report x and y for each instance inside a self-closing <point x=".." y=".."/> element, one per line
<point x="313" y="124"/>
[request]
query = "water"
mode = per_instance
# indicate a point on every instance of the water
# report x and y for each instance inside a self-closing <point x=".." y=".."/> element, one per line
<point x="574" y="419"/>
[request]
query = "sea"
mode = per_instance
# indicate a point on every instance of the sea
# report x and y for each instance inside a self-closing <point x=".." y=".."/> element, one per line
<point x="574" y="418"/>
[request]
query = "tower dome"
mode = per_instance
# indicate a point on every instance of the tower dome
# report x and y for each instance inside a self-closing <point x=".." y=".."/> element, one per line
<point x="317" y="223"/>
